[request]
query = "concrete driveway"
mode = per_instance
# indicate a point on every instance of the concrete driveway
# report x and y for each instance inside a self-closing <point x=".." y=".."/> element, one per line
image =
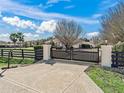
<point x="44" y="78"/>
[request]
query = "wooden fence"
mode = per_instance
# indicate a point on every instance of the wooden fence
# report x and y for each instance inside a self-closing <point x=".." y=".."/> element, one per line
<point x="117" y="59"/>
<point x="22" y="53"/>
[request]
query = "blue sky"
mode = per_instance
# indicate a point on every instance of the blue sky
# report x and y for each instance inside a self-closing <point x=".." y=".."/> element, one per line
<point x="37" y="18"/>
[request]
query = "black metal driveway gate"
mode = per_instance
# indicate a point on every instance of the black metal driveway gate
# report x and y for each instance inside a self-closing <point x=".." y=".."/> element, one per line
<point x="90" y="55"/>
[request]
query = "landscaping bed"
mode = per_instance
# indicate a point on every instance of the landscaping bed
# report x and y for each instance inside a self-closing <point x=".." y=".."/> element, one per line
<point x="108" y="81"/>
<point x="14" y="61"/>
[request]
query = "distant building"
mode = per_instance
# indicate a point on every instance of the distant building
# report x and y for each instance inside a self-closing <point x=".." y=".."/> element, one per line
<point x="81" y="44"/>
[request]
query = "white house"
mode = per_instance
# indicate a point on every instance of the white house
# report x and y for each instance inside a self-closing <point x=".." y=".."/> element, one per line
<point x="80" y="44"/>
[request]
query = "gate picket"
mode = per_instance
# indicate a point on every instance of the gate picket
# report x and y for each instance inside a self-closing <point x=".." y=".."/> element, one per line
<point x="76" y="54"/>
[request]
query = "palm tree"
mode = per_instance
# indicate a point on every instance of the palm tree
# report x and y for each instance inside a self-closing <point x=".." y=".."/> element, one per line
<point x="20" y="37"/>
<point x="13" y="37"/>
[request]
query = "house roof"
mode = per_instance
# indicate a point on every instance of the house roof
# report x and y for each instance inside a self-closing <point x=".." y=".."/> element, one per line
<point x="81" y="41"/>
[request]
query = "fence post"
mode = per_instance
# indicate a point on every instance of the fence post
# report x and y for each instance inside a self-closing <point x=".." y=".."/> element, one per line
<point x="35" y="57"/>
<point x="12" y="53"/>
<point x="9" y="56"/>
<point x="106" y="55"/>
<point x="98" y="54"/>
<point x="22" y="53"/>
<point x="117" y="59"/>
<point x="46" y="52"/>
<point x="1" y="52"/>
<point x="71" y="54"/>
<point x="51" y="53"/>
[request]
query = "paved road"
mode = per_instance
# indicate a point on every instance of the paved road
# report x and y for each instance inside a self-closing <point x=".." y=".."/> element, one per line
<point x="44" y="78"/>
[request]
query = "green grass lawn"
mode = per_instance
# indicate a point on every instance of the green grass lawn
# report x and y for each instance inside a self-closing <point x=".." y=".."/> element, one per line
<point x="14" y="61"/>
<point x="3" y="65"/>
<point x="109" y="82"/>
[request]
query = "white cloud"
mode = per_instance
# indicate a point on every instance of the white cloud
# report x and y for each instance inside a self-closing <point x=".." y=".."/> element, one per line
<point x="87" y="21"/>
<point x="28" y="36"/>
<point x="91" y="34"/>
<point x="35" y="13"/>
<point x="106" y="4"/>
<point x="31" y="36"/>
<point x="47" y="26"/>
<point x="45" y="6"/>
<point x="1" y="14"/>
<point x="96" y="15"/>
<point x="56" y="1"/>
<point x="16" y="21"/>
<point x="50" y="3"/>
<point x="4" y="37"/>
<point x="69" y="7"/>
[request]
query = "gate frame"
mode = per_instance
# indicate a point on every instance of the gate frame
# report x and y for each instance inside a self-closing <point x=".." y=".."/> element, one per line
<point x="71" y="55"/>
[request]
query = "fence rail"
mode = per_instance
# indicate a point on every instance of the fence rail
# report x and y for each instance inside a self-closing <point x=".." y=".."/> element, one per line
<point x="117" y="59"/>
<point x="23" y="53"/>
<point x="17" y="53"/>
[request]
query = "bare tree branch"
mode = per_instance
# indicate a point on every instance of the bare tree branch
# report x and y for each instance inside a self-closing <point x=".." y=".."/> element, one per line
<point x="113" y="24"/>
<point x="68" y="32"/>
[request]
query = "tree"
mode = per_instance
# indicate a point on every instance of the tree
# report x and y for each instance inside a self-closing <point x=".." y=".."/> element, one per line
<point x="113" y="24"/>
<point x="20" y="37"/>
<point x="68" y="32"/>
<point x="13" y="37"/>
<point x="26" y="44"/>
<point x="86" y="40"/>
<point x="96" y="40"/>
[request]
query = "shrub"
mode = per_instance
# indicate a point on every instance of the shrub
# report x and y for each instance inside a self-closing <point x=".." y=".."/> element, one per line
<point x="119" y="47"/>
<point x="38" y="47"/>
<point x="98" y="46"/>
<point x="85" y="46"/>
